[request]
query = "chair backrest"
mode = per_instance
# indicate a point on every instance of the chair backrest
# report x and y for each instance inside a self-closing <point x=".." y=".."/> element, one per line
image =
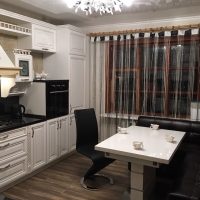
<point x="86" y="127"/>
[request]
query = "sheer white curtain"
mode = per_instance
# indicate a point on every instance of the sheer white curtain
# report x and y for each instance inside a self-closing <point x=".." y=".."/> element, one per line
<point x="144" y="74"/>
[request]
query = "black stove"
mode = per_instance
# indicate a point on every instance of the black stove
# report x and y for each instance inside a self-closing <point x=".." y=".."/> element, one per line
<point x="10" y="122"/>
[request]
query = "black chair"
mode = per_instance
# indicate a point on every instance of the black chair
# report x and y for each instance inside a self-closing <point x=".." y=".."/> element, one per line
<point x="87" y="138"/>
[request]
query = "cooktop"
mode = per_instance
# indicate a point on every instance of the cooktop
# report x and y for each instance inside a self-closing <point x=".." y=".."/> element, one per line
<point x="9" y="123"/>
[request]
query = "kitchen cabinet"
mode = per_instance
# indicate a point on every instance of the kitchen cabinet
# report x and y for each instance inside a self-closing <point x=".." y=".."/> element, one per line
<point x="42" y="39"/>
<point x="72" y="133"/>
<point x="64" y="135"/>
<point x="70" y="56"/>
<point x="57" y="137"/>
<point x="77" y="43"/>
<point x="13" y="155"/>
<point x="77" y="83"/>
<point x="13" y="170"/>
<point x="37" y="150"/>
<point x="52" y="139"/>
<point x="77" y="93"/>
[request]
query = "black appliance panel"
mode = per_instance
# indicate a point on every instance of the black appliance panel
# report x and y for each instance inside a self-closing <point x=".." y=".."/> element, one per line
<point x="57" y="98"/>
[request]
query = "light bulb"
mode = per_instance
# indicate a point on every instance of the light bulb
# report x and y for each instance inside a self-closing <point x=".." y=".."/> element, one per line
<point x="127" y="3"/>
<point x="70" y="3"/>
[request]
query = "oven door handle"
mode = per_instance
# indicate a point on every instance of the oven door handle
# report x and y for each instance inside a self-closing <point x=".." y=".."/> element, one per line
<point x="57" y="91"/>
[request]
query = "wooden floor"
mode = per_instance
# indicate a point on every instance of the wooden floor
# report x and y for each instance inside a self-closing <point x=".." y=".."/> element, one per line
<point x="62" y="182"/>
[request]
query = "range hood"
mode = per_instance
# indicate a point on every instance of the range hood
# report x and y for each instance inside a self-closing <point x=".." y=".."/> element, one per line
<point x="8" y="73"/>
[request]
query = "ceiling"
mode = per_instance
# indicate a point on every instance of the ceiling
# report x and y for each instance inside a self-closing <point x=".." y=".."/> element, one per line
<point x="57" y="12"/>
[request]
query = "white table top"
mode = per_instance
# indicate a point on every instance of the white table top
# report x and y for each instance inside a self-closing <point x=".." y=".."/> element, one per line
<point x="156" y="148"/>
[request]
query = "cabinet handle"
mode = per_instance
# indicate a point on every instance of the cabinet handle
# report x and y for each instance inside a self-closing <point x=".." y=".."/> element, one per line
<point x="58" y="125"/>
<point x="71" y="108"/>
<point x="4" y="137"/>
<point x="33" y="132"/>
<point x="45" y="49"/>
<point x="5" y="168"/>
<point x="4" y="146"/>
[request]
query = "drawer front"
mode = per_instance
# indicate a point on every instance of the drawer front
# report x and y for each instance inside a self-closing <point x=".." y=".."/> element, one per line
<point x="13" y="148"/>
<point x="11" y="171"/>
<point x="12" y="134"/>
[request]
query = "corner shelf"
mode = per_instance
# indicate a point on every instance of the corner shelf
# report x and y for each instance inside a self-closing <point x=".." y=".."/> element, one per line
<point x="13" y="29"/>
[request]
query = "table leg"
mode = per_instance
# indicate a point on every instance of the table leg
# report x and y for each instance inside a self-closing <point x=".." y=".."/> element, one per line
<point x="142" y="181"/>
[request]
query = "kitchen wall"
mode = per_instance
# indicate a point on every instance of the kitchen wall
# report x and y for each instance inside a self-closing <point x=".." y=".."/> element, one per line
<point x="9" y="43"/>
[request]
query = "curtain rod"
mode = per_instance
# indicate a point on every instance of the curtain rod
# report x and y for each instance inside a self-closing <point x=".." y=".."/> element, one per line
<point x="158" y="29"/>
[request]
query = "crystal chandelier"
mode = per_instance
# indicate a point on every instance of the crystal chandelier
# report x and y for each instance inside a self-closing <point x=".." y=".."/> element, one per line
<point x="109" y="6"/>
<point x="101" y="6"/>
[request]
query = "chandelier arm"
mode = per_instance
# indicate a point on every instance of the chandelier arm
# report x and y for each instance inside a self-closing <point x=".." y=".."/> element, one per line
<point x="108" y="6"/>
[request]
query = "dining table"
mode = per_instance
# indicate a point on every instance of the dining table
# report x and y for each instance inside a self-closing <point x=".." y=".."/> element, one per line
<point x="156" y="147"/>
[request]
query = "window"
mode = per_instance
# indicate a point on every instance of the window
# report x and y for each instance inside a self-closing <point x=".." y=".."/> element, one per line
<point x="154" y="76"/>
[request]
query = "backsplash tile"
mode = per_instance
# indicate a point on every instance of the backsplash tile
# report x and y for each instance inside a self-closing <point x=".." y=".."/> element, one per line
<point x="7" y="104"/>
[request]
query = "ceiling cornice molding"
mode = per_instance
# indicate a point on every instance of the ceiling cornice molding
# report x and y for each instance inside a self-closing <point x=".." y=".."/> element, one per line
<point x="144" y="24"/>
<point x="23" y="18"/>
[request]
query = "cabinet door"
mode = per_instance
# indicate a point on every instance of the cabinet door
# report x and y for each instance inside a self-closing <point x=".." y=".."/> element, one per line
<point x="72" y="133"/>
<point x="77" y="82"/>
<point x="43" y="38"/>
<point x="38" y="145"/>
<point x="77" y="43"/>
<point x="52" y="139"/>
<point x="64" y="135"/>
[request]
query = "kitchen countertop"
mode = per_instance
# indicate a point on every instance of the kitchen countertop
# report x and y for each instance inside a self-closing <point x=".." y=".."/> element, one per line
<point x="19" y="123"/>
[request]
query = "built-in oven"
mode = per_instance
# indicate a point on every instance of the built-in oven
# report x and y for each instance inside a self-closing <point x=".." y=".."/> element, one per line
<point x="48" y="98"/>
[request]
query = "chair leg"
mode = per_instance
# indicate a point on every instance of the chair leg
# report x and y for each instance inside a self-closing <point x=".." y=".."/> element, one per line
<point x="95" y="176"/>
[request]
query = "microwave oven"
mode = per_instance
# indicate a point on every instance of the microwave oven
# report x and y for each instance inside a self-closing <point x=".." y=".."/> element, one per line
<point x="23" y="59"/>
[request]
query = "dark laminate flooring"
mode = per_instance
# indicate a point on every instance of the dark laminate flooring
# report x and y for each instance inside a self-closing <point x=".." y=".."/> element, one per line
<point x="62" y="182"/>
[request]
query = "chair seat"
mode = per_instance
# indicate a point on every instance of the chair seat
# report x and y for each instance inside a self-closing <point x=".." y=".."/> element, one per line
<point x="91" y="153"/>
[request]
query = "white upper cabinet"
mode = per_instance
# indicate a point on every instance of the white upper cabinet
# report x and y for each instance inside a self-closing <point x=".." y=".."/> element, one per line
<point x="42" y="39"/>
<point x="77" y="43"/>
<point x="77" y="68"/>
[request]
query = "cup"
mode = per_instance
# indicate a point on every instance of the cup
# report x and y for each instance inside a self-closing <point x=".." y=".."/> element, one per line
<point x="38" y="76"/>
<point x="154" y="126"/>
<point x="170" y="138"/>
<point x="137" y="145"/>
<point x="122" y="130"/>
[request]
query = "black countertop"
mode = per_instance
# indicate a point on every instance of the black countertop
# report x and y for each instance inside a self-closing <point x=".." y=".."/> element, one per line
<point x="19" y="123"/>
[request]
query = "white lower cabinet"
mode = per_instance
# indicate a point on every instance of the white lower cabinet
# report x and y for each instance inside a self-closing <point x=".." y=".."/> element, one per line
<point x="72" y="133"/>
<point x="57" y="137"/>
<point x="64" y="135"/>
<point x="52" y="139"/>
<point x="13" y="155"/>
<point x="26" y="149"/>
<point x="13" y="170"/>
<point x="37" y="141"/>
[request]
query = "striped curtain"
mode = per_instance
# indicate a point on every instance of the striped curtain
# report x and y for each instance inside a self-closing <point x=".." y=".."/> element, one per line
<point x="156" y="74"/>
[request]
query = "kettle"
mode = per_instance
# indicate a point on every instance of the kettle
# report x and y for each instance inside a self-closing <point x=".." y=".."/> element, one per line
<point x="18" y="111"/>
<point x="21" y="110"/>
